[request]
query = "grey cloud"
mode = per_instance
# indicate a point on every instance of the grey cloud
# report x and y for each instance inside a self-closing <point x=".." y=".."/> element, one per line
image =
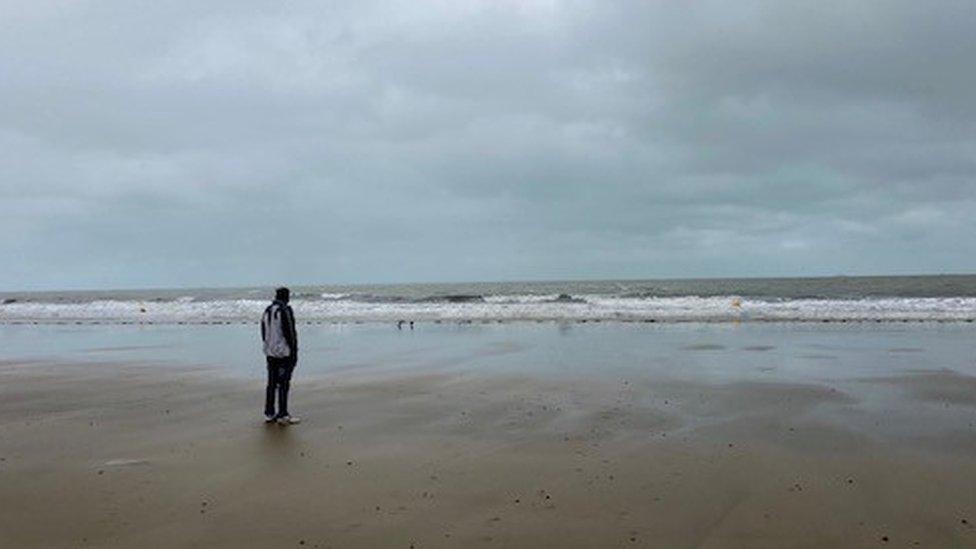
<point x="146" y="144"/>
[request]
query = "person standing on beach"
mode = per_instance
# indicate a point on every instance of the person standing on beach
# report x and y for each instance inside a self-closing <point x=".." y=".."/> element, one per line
<point x="281" y="350"/>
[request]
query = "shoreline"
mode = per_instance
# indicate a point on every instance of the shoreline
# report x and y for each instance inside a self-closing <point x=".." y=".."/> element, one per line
<point x="506" y="321"/>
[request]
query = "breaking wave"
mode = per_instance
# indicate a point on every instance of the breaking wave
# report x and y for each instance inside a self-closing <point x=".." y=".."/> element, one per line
<point x="475" y="307"/>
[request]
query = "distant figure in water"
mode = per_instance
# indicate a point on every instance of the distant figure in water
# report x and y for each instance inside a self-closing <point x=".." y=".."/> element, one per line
<point x="399" y="324"/>
<point x="281" y="349"/>
<point x="411" y="325"/>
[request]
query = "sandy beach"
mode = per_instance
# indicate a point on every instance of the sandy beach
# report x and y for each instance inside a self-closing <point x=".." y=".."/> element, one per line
<point x="719" y="437"/>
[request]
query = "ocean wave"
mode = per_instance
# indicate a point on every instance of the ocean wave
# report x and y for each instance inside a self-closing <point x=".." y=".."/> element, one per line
<point x="465" y="307"/>
<point x="521" y="299"/>
<point x="452" y="298"/>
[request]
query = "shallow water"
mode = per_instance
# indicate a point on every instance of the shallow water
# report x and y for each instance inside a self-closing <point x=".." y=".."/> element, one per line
<point x="719" y="353"/>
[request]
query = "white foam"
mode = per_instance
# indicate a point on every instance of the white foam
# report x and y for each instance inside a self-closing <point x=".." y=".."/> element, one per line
<point x="505" y="308"/>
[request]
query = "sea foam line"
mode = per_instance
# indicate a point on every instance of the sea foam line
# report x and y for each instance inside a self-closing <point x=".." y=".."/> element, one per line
<point x="505" y="308"/>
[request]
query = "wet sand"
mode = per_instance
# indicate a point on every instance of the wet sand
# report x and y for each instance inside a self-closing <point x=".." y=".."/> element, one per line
<point x="126" y="454"/>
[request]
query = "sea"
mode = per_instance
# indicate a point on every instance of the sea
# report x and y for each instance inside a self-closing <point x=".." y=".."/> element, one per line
<point x="935" y="298"/>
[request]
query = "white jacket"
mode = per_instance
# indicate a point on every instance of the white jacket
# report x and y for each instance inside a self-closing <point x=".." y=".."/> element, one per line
<point x="274" y="322"/>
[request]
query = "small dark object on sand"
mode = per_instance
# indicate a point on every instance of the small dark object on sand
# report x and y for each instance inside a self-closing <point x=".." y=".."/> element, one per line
<point x="884" y="539"/>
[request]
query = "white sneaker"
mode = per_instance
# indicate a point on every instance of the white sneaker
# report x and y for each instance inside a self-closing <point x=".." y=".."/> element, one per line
<point x="288" y="420"/>
<point x="269" y="418"/>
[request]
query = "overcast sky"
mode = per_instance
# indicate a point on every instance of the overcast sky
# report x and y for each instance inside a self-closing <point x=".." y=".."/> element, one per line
<point x="224" y="143"/>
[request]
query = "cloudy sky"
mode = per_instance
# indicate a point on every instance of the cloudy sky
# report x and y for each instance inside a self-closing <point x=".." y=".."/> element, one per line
<point x="147" y="144"/>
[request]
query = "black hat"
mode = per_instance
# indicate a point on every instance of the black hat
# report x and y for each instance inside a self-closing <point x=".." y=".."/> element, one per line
<point x="281" y="294"/>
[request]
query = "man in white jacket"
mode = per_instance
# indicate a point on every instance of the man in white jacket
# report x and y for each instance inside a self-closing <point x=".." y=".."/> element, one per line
<point x="281" y="350"/>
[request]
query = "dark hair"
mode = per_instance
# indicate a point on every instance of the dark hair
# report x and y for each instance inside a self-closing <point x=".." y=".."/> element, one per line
<point x="281" y="294"/>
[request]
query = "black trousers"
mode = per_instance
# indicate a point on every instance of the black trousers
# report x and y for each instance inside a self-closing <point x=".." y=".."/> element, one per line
<point x="279" y="381"/>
